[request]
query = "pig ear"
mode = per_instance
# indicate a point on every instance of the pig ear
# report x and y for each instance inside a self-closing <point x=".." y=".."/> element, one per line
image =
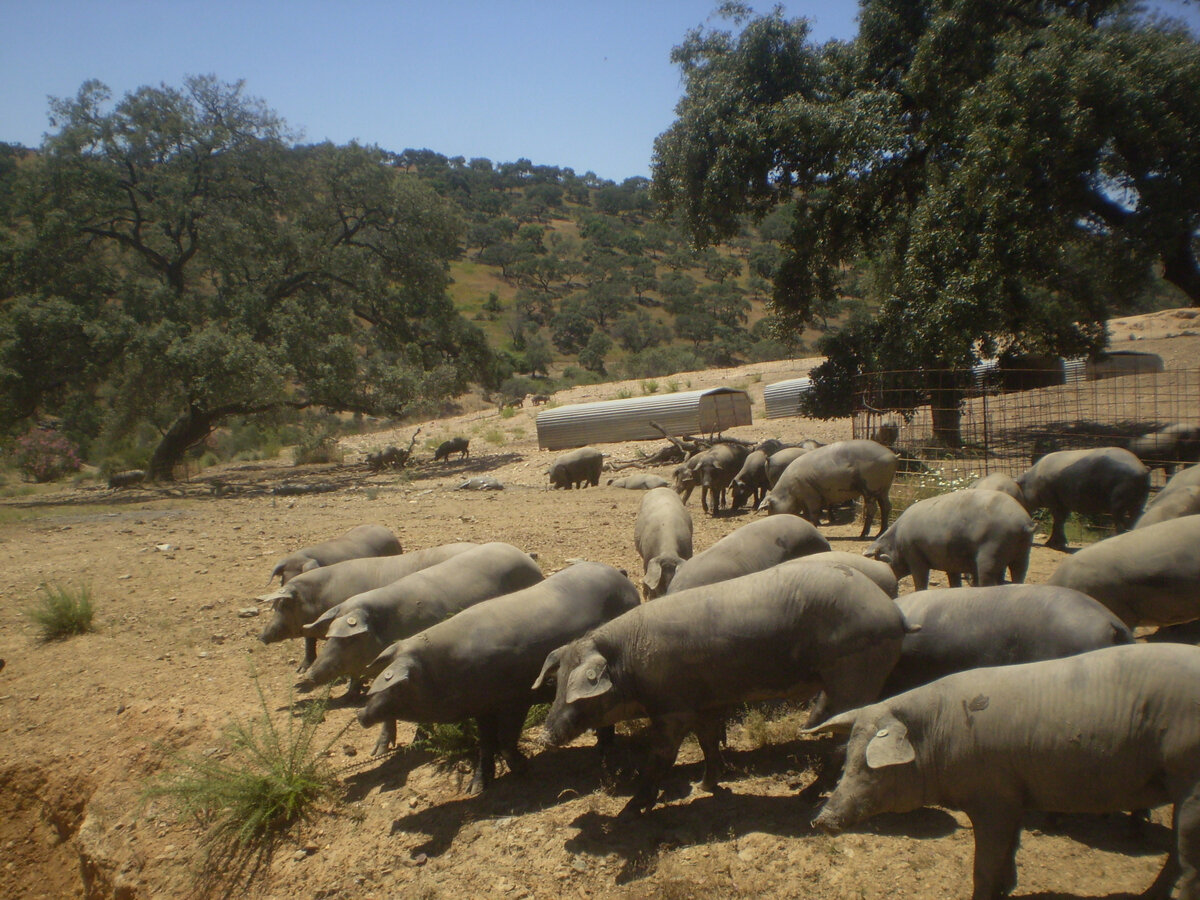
<point x="588" y="679"/>
<point x="653" y="577"/>
<point x="890" y="745"/>
<point x="549" y="668"/>
<point x="842" y="724"/>
<point x="396" y="673"/>
<point x="277" y="572"/>
<point x="320" y="627"/>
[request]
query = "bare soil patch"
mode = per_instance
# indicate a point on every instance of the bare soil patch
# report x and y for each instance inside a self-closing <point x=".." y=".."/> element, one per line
<point x="82" y="721"/>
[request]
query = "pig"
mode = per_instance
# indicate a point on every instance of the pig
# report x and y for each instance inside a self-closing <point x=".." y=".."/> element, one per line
<point x="1150" y="576"/>
<point x="1184" y="501"/>
<point x="459" y="445"/>
<point x="365" y="540"/>
<point x="1110" y="730"/>
<point x="751" y="548"/>
<point x="971" y="628"/>
<point x="482" y="662"/>
<point x="577" y="469"/>
<point x="1106" y="480"/>
<point x="685" y="659"/>
<point x="305" y="597"/>
<point x="1169" y="447"/>
<point x="713" y="470"/>
<point x="879" y="572"/>
<point x="778" y="462"/>
<point x="481" y="483"/>
<point x="974" y="531"/>
<point x="751" y="480"/>
<point x="998" y="481"/>
<point x="641" y="481"/>
<point x="662" y="534"/>
<point x="834" y="474"/>
<point x="1180" y="496"/>
<point x="359" y="628"/>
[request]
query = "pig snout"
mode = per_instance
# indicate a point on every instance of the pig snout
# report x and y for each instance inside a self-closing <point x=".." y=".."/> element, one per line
<point x="373" y="713"/>
<point x="828" y="822"/>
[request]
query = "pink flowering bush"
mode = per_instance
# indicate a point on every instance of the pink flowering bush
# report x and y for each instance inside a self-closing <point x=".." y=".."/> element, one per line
<point x="43" y="455"/>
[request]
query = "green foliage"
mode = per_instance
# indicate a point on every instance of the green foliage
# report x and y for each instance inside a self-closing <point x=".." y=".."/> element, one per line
<point x="446" y="740"/>
<point x="1003" y="181"/>
<point x="241" y="275"/>
<point x="264" y="779"/>
<point x="43" y="455"/>
<point x="592" y="356"/>
<point x="61" y="612"/>
<point x="649" y="387"/>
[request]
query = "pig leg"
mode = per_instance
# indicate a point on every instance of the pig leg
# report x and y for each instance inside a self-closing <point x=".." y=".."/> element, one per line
<point x="387" y="738"/>
<point x="869" y="504"/>
<point x="919" y="569"/>
<point x="954" y="579"/>
<point x="710" y="731"/>
<point x="1018" y="567"/>
<point x="485" y="767"/>
<point x="666" y="734"/>
<point x="1183" y="863"/>
<point x="1058" y="531"/>
<point x="997" y="834"/>
<point x="509" y="736"/>
<point x="310" y="654"/>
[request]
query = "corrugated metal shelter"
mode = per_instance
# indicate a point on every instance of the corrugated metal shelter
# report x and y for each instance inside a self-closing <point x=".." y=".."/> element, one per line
<point x="783" y="397"/>
<point x="687" y="412"/>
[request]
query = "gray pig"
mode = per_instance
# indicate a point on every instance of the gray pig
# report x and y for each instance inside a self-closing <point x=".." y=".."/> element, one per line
<point x="640" y="482"/>
<point x="1150" y="576"/>
<point x="1114" y="729"/>
<point x="998" y="481"/>
<point x="1180" y="496"/>
<point x="750" y="481"/>
<point x="687" y="658"/>
<point x="778" y="462"/>
<point x="714" y="470"/>
<point x="834" y="474"/>
<point x="577" y="469"/>
<point x="1184" y="501"/>
<point x="879" y="572"/>
<point x="365" y="540"/>
<point x="970" y="628"/>
<point x="1167" y="448"/>
<point x="751" y="548"/>
<point x="1107" y="480"/>
<point x="480" y="663"/>
<point x="358" y="629"/>
<point x="305" y="597"/>
<point x="662" y="534"/>
<point x="978" y="532"/>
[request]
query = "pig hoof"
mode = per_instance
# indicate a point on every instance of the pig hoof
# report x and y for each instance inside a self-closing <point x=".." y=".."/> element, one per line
<point x="302" y="668"/>
<point x="475" y="788"/>
<point x="381" y="747"/>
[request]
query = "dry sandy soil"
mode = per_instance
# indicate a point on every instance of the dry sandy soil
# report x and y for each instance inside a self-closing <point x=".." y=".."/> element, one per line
<point x="175" y="657"/>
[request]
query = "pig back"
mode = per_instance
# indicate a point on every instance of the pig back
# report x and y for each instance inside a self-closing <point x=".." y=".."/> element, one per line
<point x="751" y="548"/>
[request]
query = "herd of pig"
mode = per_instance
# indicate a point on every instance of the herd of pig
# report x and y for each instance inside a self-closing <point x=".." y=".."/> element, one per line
<point x="992" y="699"/>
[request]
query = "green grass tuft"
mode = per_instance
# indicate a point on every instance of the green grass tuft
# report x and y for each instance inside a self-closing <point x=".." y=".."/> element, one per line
<point x="62" y="612"/>
<point x="247" y="794"/>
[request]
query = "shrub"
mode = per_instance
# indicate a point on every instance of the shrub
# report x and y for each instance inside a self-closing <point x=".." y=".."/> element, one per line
<point x="62" y="612"/>
<point x="263" y="780"/>
<point x="318" y="448"/>
<point x="43" y="455"/>
<point x="649" y="387"/>
<point x="494" y="436"/>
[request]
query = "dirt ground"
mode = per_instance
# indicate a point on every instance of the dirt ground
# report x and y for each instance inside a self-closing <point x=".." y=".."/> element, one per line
<point x="175" y="575"/>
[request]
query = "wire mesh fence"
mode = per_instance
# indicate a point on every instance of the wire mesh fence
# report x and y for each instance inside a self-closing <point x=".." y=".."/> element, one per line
<point x="951" y="427"/>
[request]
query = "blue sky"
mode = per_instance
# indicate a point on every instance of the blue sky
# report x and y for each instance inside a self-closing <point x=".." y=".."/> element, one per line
<point x="581" y="83"/>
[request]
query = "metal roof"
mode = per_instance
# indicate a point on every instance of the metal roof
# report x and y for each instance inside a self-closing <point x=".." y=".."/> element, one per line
<point x="607" y="421"/>
<point x="783" y="397"/>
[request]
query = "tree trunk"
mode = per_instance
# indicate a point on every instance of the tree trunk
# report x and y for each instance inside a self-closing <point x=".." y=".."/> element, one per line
<point x="192" y="426"/>
<point x="945" y="407"/>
